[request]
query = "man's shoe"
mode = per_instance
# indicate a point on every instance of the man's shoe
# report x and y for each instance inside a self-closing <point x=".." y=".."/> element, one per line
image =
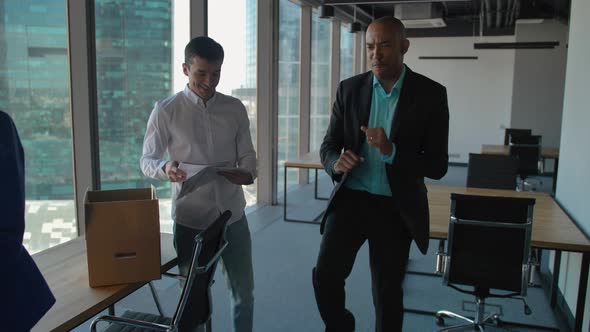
<point x="347" y="324"/>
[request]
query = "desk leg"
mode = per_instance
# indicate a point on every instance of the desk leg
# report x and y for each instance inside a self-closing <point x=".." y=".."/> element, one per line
<point x="314" y="220"/>
<point x="315" y="192"/>
<point x="555" y="278"/>
<point x="285" y="195"/>
<point x="315" y="185"/>
<point x="582" y="292"/>
<point x="555" y="174"/>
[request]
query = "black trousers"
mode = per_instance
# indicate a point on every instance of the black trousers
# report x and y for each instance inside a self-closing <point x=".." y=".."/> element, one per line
<point x="355" y="217"/>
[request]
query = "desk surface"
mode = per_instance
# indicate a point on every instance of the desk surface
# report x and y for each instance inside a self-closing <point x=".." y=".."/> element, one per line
<point x="308" y="160"/>
<point x="552" y="228"/>
<point x="548" y="152"/>
<point x="66" y="270"/>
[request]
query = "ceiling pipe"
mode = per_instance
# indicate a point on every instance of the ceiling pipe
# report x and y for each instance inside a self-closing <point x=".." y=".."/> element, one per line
<point x="516" y="11"/>
<point x="488" y="11"/>
<point x="508" y="11"/>
<point x="377" y="2"/>
<point x="499" y="11"/>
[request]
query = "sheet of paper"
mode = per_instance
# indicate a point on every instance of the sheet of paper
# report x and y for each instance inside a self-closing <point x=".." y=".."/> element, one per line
<point x="191" y="169"/>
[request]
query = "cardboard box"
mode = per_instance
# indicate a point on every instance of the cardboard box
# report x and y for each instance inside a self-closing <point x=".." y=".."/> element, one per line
<point x="122" y="236"/>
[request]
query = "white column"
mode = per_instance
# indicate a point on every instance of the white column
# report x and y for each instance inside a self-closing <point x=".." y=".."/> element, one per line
<point x="334" y="59"/>
<point x="304" y="86"/>
<point x="81" y="56"/>
<point x="198" y="17"/>
<point x="267" y="98"/>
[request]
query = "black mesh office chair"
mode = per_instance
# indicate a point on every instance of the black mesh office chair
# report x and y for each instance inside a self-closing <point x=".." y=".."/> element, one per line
<point x="194" y="306"/>
<point x="488" y="248"/>
<point x="492" y="171"/>
<point x="527" y="149"/>
<point x="515" y="132"/>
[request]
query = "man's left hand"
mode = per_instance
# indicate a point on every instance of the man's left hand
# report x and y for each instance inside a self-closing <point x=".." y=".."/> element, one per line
<point x="377" y="138"/>
<point x="237" y="177"/>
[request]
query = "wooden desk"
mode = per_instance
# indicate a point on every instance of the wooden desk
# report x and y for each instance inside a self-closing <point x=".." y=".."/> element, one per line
<point x="552" y="229"/>
<point x="66" y="270"/>
<point x="310" y="160"/>
<point x="547" y="152"/>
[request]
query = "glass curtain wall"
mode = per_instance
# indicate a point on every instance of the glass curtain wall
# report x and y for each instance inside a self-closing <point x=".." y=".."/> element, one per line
<point x="134" y="70"/>
<point x="320" y="79"/>
<point x="288" y="127"/>
<point x="34" y="91"/>
<point x="346" y="52"/>
<point x="238" y="74"/>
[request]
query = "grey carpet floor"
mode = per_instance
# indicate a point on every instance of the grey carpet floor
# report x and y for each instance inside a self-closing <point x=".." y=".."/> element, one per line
<point x="284" y="254"/>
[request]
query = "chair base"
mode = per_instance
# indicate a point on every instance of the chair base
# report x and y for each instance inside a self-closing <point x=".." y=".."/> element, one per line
<point x="528" y="184"/>
<point x="491" y="320"/>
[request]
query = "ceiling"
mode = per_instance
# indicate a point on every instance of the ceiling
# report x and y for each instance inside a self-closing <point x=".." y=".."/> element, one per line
<point x="462" y="18"/>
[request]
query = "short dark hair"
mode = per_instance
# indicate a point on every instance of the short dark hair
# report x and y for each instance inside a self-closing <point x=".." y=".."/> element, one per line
<point x="203" y="47"/>
<point x="394" y="22"/>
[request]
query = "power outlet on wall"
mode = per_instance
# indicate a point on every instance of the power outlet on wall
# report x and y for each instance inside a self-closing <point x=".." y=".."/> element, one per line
<point x="454" y="155"/>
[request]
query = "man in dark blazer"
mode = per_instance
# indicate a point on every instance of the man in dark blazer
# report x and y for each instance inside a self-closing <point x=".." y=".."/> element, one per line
<point x="388" y="130"/>
<point x="25" y="295"/>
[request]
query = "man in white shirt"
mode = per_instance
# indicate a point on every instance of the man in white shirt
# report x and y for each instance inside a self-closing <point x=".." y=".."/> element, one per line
<point x="200" y="127"/>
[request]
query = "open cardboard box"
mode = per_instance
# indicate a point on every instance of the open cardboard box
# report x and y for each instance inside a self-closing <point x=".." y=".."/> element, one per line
<point x="122" y="236"/>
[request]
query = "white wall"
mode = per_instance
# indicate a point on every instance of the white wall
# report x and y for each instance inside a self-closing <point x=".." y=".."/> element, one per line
<point x="539" y="76"/>
<point x="479" y="91"/>
<point x="574" y="162"/>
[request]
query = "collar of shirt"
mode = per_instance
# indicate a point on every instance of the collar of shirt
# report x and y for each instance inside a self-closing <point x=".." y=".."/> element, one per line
<point x="397" y="87"/>
<point x="192" y="96"/>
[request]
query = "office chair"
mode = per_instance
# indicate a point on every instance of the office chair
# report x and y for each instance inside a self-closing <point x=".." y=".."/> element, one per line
<point x="488" y="248"/>
<point x="527" y="149"/>
<point x="515" y="132"/>
<point x="194" y="306"/>
<point x="492" y="171"/>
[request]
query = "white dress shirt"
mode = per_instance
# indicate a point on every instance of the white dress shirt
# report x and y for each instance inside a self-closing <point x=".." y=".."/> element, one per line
<point x="189" y="131"/>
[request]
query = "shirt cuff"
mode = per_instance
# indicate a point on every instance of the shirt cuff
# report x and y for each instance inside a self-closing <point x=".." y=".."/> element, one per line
<point x="333" y="169"/>
<point x="161" y="171"/>
<point x="389" y="159"/>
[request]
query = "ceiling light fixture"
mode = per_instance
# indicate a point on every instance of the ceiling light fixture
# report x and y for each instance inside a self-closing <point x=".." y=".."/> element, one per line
<point x="355" y="26"/>
<point x="326" y="11"/>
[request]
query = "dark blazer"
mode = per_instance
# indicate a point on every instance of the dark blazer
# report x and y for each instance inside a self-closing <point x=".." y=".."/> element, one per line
<point x="420" y="131"/>
<point x="25" y="295"/>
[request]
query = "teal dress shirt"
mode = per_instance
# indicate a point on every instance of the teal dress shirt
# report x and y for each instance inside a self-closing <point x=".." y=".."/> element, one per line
<point x="370" y="175"/>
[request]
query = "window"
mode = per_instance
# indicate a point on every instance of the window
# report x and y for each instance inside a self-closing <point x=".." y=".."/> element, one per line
<point x="134" y="70"/>
<point x="320" y="79"/>
<point x="34" y="90"/>
<point x="288" y="127"/>
<point x="238" y="74"/>
<point x="346" y="52"/>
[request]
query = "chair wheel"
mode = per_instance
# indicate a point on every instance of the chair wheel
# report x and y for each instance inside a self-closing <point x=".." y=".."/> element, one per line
<point x="439" y="321"/>
<point x="497" y="321"/>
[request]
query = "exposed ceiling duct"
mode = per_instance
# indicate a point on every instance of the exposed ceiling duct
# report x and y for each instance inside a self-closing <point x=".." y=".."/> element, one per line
<point x="455" y="18"/>
<point x="420" y="15"/>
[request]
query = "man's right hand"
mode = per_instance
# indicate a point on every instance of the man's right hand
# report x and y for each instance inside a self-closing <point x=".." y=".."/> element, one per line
<point x="174" y="174"/>
<point x="347" y="162"/>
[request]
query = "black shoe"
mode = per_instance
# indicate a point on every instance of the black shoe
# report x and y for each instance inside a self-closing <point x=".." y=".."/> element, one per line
<point x="347" y="324"/>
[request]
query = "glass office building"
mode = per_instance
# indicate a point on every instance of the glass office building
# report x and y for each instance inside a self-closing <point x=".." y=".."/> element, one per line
<point x="133" y="70"/>
<point x="34" y="90"/>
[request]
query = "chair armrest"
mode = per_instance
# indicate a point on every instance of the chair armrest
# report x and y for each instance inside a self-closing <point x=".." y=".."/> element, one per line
<point x="128" y="322"/>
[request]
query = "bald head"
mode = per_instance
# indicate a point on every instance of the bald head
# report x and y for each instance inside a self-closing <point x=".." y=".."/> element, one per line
<point x="393" y="24"/>
<point x="386" y="46"/>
